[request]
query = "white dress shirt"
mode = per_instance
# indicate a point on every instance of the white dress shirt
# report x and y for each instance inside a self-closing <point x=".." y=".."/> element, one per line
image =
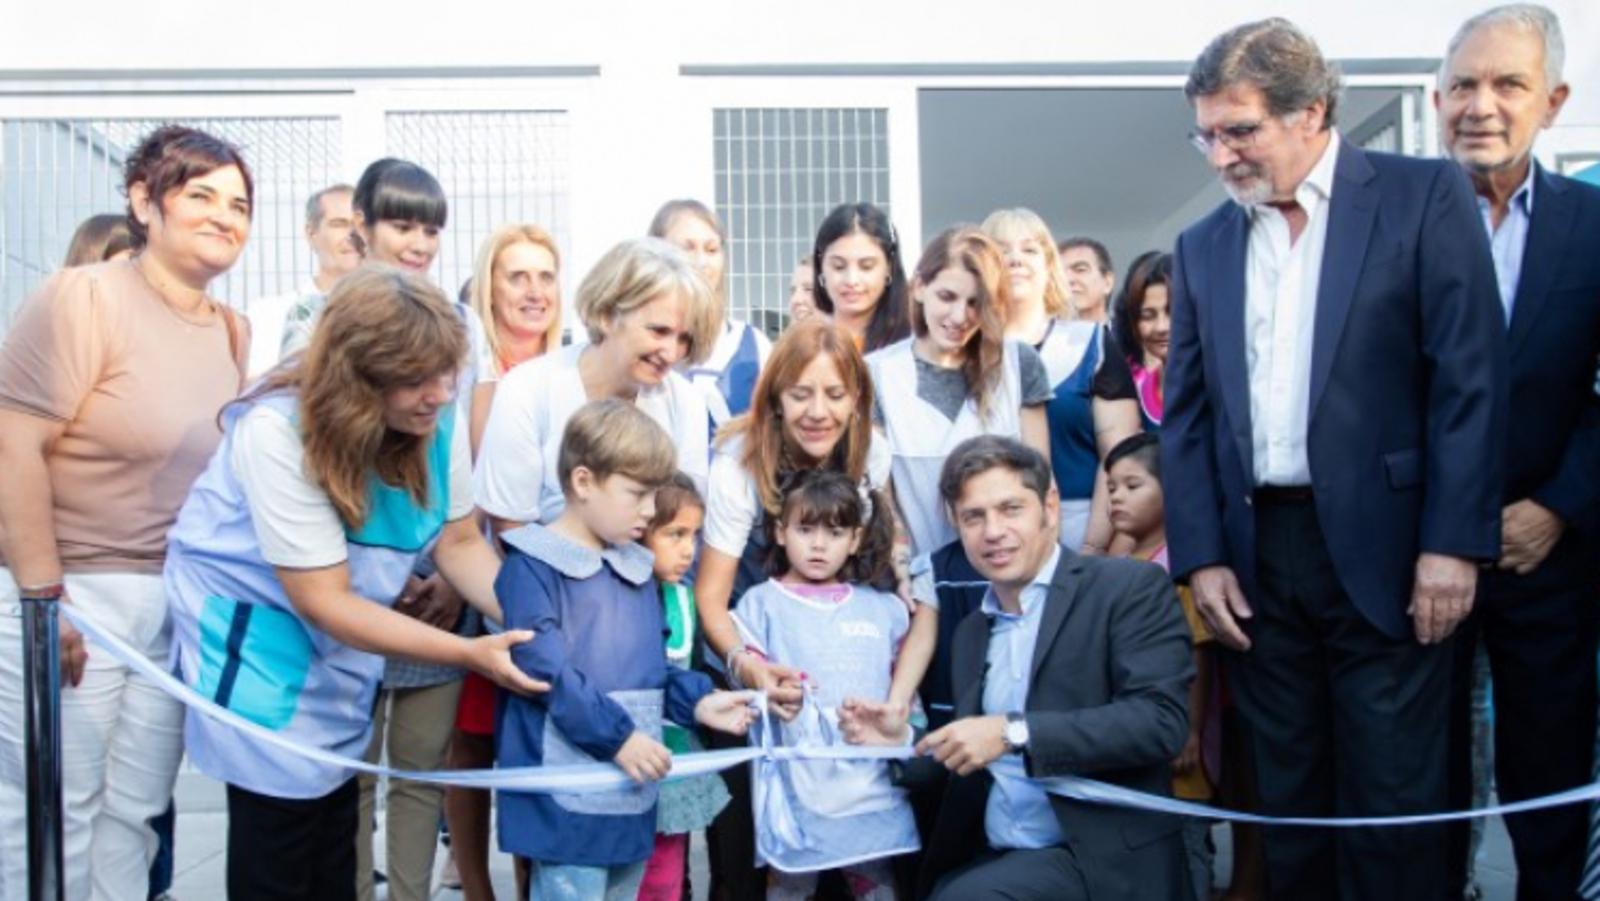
<point x="1280" y="302"/>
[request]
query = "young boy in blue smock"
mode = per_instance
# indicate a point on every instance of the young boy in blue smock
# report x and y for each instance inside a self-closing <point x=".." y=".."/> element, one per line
<point x="586" y="588"/>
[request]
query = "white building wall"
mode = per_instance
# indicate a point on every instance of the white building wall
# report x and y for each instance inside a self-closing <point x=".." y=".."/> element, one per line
<point x="640" y="128"/>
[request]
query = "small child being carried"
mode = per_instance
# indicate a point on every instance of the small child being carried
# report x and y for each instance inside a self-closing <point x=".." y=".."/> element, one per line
<point x="587" y="590"/>
<point x="821" y="616"/>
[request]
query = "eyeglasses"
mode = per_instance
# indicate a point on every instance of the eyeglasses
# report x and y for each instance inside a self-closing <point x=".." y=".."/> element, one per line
<point x="1240" y="136"/>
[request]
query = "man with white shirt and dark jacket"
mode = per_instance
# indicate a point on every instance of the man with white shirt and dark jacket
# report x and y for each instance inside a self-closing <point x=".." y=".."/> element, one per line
<point x="1535" y="612"/>
<point x="1333" y="446"/>
<point x="1072" y="665"/>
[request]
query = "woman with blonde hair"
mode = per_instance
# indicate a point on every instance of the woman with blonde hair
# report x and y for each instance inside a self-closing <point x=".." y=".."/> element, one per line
<point x="516" y="292"/>
<point x="1094" y="406"/>
<point x="333" y="476"/>
<point x="728" y="374"/>
<point x="646" y="310"/>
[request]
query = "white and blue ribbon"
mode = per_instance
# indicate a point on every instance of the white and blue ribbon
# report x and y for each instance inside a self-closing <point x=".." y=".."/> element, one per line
<point x="606" y="776"/>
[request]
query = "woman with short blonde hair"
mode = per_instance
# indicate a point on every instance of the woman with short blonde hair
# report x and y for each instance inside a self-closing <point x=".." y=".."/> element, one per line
<point x="1095" y="404"/>
<point x="646" y="310"/>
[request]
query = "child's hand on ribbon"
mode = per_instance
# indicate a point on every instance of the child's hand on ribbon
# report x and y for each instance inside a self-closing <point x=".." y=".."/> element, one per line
<point x="726" y="711"/>
<point x="864" y="722"/>
<point x="643" y="758"/>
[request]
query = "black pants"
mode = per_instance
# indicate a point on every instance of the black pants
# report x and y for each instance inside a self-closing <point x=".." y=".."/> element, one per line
<point x="1341" y="720"/>
<point x="731" y="838"/>
<point x="1047" y="874"/>
<point x="1540" y="634"/>
<point x="283" y="849"/>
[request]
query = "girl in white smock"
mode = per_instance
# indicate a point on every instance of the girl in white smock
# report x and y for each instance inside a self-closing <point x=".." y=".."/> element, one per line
<point x="956" y="378"/>
<point x="820" y="616"/>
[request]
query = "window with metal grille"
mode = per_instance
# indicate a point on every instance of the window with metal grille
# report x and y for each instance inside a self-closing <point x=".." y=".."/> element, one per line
<point x="54" y="173"/>
<point x="778" y="173"/>
<point x="497" y="168"/>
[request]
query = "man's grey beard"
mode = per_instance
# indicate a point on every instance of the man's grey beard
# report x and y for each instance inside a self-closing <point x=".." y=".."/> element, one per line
<point x="1259" y="188"/>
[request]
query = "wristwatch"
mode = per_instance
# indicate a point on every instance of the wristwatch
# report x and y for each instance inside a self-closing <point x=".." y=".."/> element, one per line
<point x="1016" y="733"/>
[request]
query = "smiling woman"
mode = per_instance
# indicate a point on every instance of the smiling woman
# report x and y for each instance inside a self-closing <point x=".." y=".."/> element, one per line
<point x="645" y="309"/>
<point x="110" y="383"/>
<point x="334" y="475"/>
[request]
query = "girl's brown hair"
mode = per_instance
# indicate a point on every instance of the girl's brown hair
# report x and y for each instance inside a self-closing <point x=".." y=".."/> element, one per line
<point x="969" y="249"/>
<point x="382" y="329"/>
<point x="768" y="455"/>
<point x="678" y="494"/>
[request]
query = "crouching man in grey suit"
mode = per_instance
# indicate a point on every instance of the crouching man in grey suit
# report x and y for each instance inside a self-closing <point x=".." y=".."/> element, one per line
<point x="1073" y="666"/>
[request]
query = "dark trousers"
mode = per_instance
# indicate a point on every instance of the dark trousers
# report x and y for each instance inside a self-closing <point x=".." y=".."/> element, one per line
<point x="1341" y="720"/>
<point x="282" y="849"/>
<point x="731" y="838"/>
<point x="1047" y="874"/>
<point x="161" y="867"/>
<point x="1539" y="631"/>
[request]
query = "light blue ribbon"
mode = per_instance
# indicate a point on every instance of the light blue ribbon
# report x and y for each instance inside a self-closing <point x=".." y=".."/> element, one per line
<point x="606" y="776"/>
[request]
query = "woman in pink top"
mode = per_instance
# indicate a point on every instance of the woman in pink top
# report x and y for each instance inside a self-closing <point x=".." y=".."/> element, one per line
<point x="111" y="380"/>
<point x="1143" y="325"/>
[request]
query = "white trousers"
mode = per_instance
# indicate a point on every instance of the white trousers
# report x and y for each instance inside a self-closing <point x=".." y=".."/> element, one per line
<point x="121" y="737"/>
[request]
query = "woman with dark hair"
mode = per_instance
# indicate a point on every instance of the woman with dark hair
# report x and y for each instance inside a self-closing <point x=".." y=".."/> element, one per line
<point x="110" y="383"/>
<point x="860" y="280"/>
<point x="333" y="476"/>
<point x="1143" y="324"/>
<point x="100" y="238"/>
<point x="398" y="211"/>
<point x="727" y="376"/>
<point x="959" y="376"/>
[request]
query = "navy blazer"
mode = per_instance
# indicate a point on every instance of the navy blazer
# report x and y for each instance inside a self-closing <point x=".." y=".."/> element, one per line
<point x="1406" y="424"/>
<point x="1553" y="439"/>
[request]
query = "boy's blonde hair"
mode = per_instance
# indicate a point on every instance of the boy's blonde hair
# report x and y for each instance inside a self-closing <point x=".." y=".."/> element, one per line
<point x="613" y="437"/>
<point x="639" y="271"/>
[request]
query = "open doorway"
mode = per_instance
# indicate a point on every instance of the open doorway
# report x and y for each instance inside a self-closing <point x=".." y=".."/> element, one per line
<point x="1110" y="163"/>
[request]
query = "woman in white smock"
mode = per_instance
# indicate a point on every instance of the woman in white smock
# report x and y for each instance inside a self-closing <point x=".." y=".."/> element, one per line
<point x="956" y="378"/>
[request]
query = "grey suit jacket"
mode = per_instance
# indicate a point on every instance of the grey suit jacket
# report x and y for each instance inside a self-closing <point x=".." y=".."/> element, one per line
<point x="1107" y="699"/>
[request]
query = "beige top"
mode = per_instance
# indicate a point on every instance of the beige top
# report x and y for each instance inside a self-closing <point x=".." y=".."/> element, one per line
<point x="139" y="387"/>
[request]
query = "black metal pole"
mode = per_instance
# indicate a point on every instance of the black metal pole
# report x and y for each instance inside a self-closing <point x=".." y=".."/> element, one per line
<point x="41" y="655"/>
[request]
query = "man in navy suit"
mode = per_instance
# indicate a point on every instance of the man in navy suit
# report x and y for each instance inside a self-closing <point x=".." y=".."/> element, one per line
<point x="1333" y="441"/>
<point x="1536" y="612"/>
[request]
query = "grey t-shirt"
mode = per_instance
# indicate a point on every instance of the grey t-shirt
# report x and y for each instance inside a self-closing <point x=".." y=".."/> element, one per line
<point x="946" y="389"/>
